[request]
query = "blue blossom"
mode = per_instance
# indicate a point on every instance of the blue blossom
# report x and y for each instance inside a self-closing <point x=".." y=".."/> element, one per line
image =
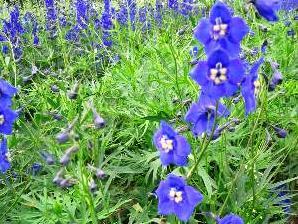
<point x="173" y="4"/>
<point x="132" y="9"/>
<point x="7" y="119"/>
<point x="186" y="7"/>
<point x="122" y="15"/>
<point x="250" y="87"/>
<point x="4" y="161"/>
<point x="82" y="13"/>
<point x="173" y="148"/>
<point x="202" y="114"/>
<point x="5" y="49"/>
<point x="7" y="91"/>
<point x="220" y="75"/>
<point x="267" y="8"/>
<point x="51" y="18"/>
<point x="275" y="80"/>
<point x="194" y="52"/>
<point x="175" y="197"/>
<point x="158" y="12"/>
<point x="221" y="30"/>
<point x="13" y="31"/>
<point x="231" y="219"/>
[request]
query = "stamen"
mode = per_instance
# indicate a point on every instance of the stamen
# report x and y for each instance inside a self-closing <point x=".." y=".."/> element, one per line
<point x="2" y="120"/>
<point x="166" y="144"/>
<point x="223" y="71"/>
<point x="216" y="28"/>
<point x="176" y="195"/>
<point x="223" y="77"/>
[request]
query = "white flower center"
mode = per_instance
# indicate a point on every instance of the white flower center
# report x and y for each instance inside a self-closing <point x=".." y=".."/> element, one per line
<point x="166" y="143"/>
<point x="175" y="195"/>
<point x="218" y="74"/>
<point x="219" y="29"/>
<point x="2" y="120"/>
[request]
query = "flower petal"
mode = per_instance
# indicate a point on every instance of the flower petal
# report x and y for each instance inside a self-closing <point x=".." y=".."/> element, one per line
<point x="218" y="56"/>
<point x="194" y="197"/>
<point x="202" y="31"/>
<point x="220" y="10"/>
<point x="238" y="29"/>
<point x="183" y="210"/>
<point x="236" y="71"/>
<point x="166" y="158"/>
<point x="183" y="147"/>
<point x="231" y="47"/>
<point x="199" y="73"/>
<point x="230" y="89"/>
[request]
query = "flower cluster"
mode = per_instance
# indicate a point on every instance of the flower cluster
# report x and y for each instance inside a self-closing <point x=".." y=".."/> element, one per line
<point x="222" y="75"/>
<point x="106" y="24"/>
<point x="7" y="119"/>
<point x="51" y="18"/>
<point x="12" y="31"/>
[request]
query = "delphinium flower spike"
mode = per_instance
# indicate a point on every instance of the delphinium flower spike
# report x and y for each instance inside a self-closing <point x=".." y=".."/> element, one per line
<point x="221" y="30"/>
<point x="176" y="197"/>
<point x="4" y="156"/>
<point x="173" y="148"/>
<point x="202" y="114"/>
<point x="220" y="75"/>
<point x="51" y="18"/>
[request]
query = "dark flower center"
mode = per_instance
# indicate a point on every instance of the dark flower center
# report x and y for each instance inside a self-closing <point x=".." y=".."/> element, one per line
<point x="218" y="74"/>
<point x="219" y="29"/>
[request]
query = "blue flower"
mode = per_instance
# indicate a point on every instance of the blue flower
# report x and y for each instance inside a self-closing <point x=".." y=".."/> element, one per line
<point x="175" y="197"/>
<point x="186" y="7"/>
<point x="122" y="15"/>
<point x="7" y="91"/>
<point x="51" y="18"/>
<point x="219" y="76"/>
<point x="221" y="30"/>
<point x="250" y="87"/>
<point x="231" y="219"/>
<point x="4" y="162"/>
<point x="173" y="4"/>
<point x="267" y="8"/>
<point x="7" y="119"/>
<point x="202" y="114"/>
<point x="173" y="148"/>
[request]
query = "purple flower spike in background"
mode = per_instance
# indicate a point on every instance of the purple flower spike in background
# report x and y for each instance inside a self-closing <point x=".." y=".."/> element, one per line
<point x="4" y="162"/>
<point x="202" y="114"/>
<point x="173" y="148"/>
<point x="7" y="91"/>
<point x="175" y="197"/>
<point x="219" y="76"/>
<point x="267" y="8"/>
<point x="230" y="219"/>
<point x="250" y="87"/>
<point x="221" y="30"/>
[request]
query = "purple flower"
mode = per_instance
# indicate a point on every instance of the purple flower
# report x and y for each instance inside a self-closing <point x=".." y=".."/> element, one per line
<point x="281" y="133"/>
<point x="250" y="87"/>
<point x="221" y="30"/>
<point x="175" y="197"/>
<point x="173" y="4"/>
<point x="231" y="219"/>
<point x="267" y="8"/>
<point x="51" y="18"/>
<point x="173" y="148"/>
<point x="7" y="91"/>
<point x="4" y="162"/>
<point x="220" y="75"/>
<point x="7" y="119"/>
<point x="202" y="114"/>
<point x="186" y="7"/>
<point x="122" y="15"/>
<point x="275" y="80"/>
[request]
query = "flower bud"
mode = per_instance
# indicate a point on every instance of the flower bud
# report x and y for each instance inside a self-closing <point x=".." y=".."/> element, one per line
<point x="281" y="133"/>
